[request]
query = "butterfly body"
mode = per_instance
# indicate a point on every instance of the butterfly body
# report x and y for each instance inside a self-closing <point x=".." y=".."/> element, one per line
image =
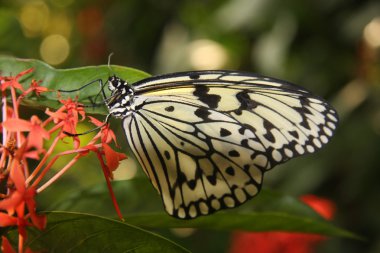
<point x="206" y="138"/>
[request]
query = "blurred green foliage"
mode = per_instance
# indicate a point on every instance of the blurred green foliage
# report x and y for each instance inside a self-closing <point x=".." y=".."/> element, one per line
<point x="325" y="46"/>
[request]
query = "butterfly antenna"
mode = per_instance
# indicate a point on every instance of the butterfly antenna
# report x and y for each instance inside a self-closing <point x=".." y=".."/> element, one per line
<point x="100" y="92"/>
<point x="83" y="86"/>
<point x="93" y="104"/>
<point x="91" y="130"/>
<point x="109" y="61"/>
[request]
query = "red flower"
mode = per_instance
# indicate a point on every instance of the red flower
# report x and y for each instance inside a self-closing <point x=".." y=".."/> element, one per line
<point x="284" y="242"/>
<point x="67" y="118"/>
<point x="6" y="246"/>
<point x="22" y="196"/>
<point x="13" y="81"/>
<point x="17" y="198"/>
<point x="21" y="184"/>
<point x="324" y="207"/>
<point x="7" y="220"/>
<point x="36" y="132"/>
<point x="107" y="135"/>
<point x="37" y="88"/>
<point x="34" y="87"/>
<point x="15" y="205"/>
<point x="113" y="158"/>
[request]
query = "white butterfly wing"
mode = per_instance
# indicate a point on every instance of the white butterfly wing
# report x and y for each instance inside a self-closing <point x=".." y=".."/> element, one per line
<point x="205" y="138"/>
<point x="197" y="166"/>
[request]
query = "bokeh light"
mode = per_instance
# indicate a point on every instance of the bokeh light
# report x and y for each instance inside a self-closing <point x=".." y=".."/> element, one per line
<point x="207" y="54"/>
<point x="34" y="18"/>
<point x="61" y="24"/>
<point x="126" y="170"/>
<point x="350" y="97"/>
<point x="183" y="232"/>
<point x="61" y="3"/>
<point x="54" y="49"/>
<point x="372" y="33"/>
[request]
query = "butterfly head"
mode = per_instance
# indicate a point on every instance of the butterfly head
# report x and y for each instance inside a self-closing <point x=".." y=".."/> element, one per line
<point x="116" y="83"/>
<point x="122" y="96"/>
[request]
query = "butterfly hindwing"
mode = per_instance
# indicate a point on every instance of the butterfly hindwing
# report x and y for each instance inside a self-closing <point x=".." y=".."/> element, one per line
<point x="198" y="165"/>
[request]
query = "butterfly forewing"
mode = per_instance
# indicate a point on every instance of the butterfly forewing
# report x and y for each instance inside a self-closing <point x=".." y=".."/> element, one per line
<point x="205" y="138"/>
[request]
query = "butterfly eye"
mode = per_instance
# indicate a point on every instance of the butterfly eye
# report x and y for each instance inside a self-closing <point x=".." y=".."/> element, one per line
<point x="113" y="83"/>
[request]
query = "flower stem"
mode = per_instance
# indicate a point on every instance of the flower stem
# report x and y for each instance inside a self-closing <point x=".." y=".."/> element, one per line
<point x="15" y="105"/>
<point x="43" y="161"/>
<point x="109" y="186"/>
<point x="59" y="174"/>
<point x="4" y="113"/>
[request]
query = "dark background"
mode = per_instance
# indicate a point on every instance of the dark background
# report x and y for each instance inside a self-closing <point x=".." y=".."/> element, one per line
<point x="331" y="47"/>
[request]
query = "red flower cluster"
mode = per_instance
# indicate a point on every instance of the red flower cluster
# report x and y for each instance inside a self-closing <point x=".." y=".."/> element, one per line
<point x="23" y="139"/>
<point x="285" y="242"/>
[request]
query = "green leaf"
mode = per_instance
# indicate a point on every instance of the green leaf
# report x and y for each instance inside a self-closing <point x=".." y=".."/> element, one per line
<point x="238" y="219"/>
<point x="75" y="232"/>
<point x="253" y="221"/>
<point x="269" y="211"/>
<point x="66" y="79"/>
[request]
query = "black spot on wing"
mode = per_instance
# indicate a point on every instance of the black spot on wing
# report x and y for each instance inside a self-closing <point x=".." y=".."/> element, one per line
<point x="294" y="134"/>
<point x="169" y="108"/>
<point x="181" y="178"/>
<point x="230" y="171"/>
<point x="268" y="127"/>
<point x="167" y="154"/>
<point x="245" y="101"/>
<point x="233" y="153"/>
<point x="194" y="76"/>
<point x="202" y="113"/>
<point x="305" y="122"/>
<point x="244" y="143"/>
<point x="238" y="112"/>
<point x="224" y="132"/>
<point x="245" y="127"/>
<point x="212" y="179"/>
<point x="212" y="100"/>
<point x="192" y="184"/>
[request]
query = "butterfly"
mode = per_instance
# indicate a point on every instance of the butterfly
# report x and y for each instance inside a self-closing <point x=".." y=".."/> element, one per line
<point x="206" y="138"/>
